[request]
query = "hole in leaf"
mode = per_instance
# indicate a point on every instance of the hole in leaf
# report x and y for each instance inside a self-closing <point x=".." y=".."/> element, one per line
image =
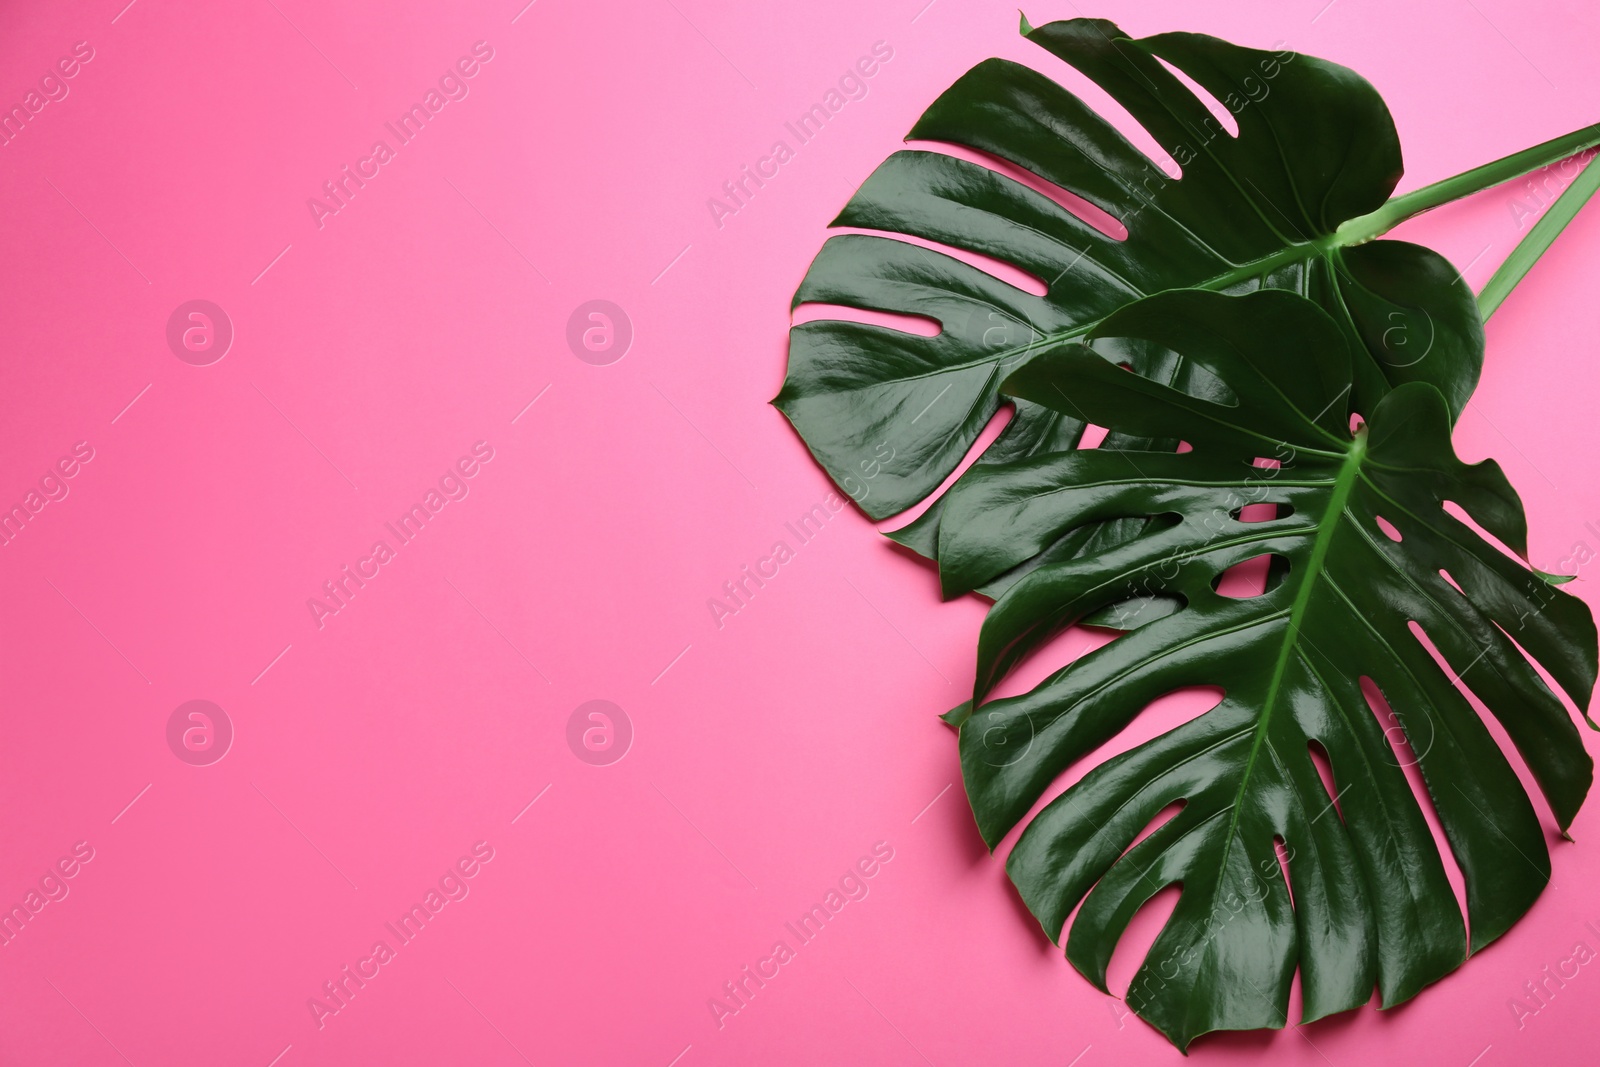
<point x="1162" y="817"/>
<point x="1388" y="528"/>
<point x="919" y="325"/>
<point x="993" y="429"/>
<point x="1093" y="436"/>
<point x="1261" y="512"/>
<point x="1456" y="511"/>
<point x="1068" y="644"/>
<point x="1476" y="664"/>
<point x="1105" y="105"/>
<point x="1090" y="213"/>
<point x="1224" y="117"/>
<point x="1455" y="584"/>
<point x="1406" y="752"/>
<point x="1139" y="937"/>
<point x="1007" y="272"/>
<point x="1277" y="571"/>
<point x="1282" y="851"/>
<point x="1247" y="579"/>
<point x="1161" y="716"/>
<point x="1393" y="732"/>
<point x="1324" y="766"/>
<point x="1134" y="612"/>
<point x="1530" y="784"/>
<point x="1152" y="915"/>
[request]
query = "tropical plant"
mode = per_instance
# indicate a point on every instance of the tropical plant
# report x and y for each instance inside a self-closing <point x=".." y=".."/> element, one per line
<point x="1365" y="547"/>
<point x="1294" y="201"/>
<point x="1244" y="340"/>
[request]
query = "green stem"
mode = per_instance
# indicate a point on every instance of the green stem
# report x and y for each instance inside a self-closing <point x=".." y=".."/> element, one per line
<point x="1531" y="247"/>
<point x="1397" y="210"/>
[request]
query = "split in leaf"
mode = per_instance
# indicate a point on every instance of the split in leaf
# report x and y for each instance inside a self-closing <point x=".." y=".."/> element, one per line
<point x="1367" y="901"/>
<point x="1293" y="201"/>
<point x="1223" y="328"/>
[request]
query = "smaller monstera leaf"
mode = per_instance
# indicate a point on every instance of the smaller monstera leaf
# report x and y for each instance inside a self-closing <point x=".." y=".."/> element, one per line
<point x="1367" y="900"/>
<point x="1266" y="208"/>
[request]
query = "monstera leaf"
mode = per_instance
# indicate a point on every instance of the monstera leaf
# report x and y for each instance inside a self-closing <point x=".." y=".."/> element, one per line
<point x="1277" y="870"/>
<point x="1291" y="202"/>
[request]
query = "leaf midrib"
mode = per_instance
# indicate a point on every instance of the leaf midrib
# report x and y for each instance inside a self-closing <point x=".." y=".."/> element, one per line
<point x="1344" y="484"/>
<point x="1291" y="253"/>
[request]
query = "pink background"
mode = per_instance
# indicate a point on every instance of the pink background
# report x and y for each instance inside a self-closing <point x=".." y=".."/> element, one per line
<point x="768" y="755"/>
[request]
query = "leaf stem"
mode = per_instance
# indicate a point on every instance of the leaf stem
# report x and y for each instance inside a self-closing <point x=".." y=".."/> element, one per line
<point x="1400" y="208"/>
<point x="1531" y="247"/>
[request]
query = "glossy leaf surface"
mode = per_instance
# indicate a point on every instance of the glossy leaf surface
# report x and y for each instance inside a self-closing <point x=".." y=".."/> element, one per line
<point x="1315" y="147"/>
<point x="1363" y="547"/>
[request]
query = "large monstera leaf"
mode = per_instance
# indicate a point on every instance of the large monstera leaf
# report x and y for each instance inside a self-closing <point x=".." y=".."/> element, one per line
<point x="1363" y="547"/>
<point x="1281" y="205"/>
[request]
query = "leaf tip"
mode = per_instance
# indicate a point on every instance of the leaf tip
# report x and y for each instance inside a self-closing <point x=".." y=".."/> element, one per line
<point x="1024" y="27"/>
<point x="958" y="714"/>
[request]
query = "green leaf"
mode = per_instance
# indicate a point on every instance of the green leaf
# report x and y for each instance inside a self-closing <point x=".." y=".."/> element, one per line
<point x="1323" y="322"/>
<point x="1371" y="903"/>
<point x="1316" y="151"/>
